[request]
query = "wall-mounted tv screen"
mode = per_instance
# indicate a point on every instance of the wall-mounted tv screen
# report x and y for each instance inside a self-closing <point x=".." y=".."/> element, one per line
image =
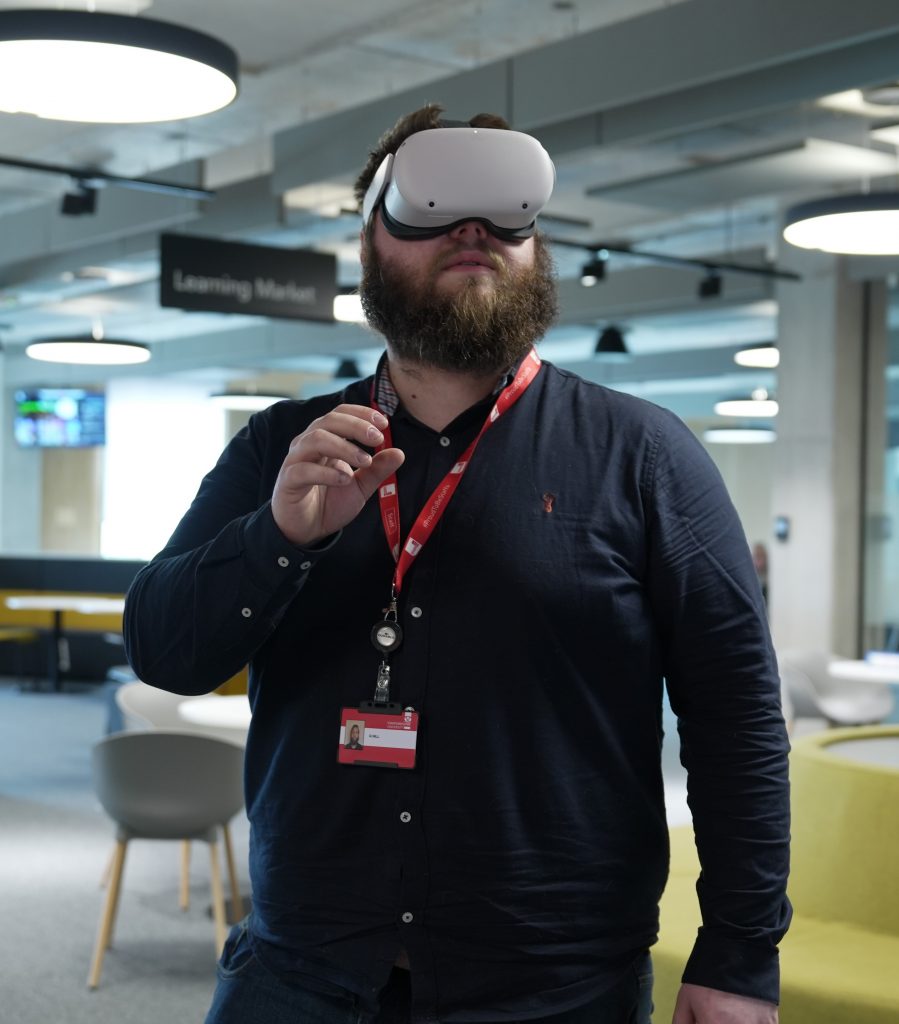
<point x="60" y="418"/>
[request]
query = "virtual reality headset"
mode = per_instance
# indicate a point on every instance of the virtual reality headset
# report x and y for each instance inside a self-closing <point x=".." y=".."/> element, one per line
<point x="442" y="177"/>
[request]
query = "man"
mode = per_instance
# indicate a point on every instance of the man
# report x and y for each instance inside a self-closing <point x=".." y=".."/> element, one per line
<point x="493" y="564"/>
<point x="353" y="742"/>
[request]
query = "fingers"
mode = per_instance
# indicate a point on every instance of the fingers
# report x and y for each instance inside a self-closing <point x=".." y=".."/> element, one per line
<point x="353" y="422"/>
<point x="368" y="480"/>
<point x="339" y="435"/>
<point x="313" y="496"/>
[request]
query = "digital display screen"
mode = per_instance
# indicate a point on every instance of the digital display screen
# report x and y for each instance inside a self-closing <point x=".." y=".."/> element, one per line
<point x="60" y="418"/>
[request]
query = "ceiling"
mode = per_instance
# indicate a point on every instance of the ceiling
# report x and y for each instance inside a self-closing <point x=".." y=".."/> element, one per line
<point x="679" y="127"/>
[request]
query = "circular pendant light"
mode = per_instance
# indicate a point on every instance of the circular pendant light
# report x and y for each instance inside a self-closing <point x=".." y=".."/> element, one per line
<point x="858" y="225"/>
<point x="739" y="435"/>
<point x="247" y="401"/>
<point x="110" y="68"/>
<point x="758" y="404"/>
<point x="762" y="356"/>
<point x="88" y="351"/>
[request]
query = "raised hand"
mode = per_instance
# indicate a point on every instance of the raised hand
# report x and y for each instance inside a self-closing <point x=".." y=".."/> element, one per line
<point x="326" y="477"/>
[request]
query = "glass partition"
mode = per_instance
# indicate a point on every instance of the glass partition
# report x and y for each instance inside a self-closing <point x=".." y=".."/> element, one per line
<point x="880" y="613"/>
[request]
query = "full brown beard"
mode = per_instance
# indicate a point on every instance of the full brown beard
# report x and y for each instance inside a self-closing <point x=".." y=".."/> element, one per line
<point x="476" y="330"/>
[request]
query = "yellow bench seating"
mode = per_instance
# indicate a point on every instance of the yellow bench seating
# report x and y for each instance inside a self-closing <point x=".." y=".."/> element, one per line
<point x="22" y="625"/>
<point x="71" y="621"/>
<point x="840" y="958"/>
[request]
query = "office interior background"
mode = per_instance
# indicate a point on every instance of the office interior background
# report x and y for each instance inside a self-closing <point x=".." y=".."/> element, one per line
<point x="679" y="129"/>
<point x="682" y="131"/>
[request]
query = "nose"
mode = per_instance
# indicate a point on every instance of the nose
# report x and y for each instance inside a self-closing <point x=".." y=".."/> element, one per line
<point x="469" y="229"/>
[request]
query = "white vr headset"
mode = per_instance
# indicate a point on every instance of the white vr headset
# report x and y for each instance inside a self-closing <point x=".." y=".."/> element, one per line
<point x="442" y="177"/>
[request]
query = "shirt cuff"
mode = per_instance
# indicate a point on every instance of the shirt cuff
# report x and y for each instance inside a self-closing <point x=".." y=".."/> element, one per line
<point x="271" y="556"/>
<point x="730" y="965"/>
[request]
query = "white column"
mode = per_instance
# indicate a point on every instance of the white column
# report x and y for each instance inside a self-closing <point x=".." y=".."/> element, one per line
<point x="830" y="329"/>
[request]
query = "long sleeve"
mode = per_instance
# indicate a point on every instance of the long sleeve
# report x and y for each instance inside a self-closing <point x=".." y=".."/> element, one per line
<point x="204" y="605"/>
<point x="722" y="677"/>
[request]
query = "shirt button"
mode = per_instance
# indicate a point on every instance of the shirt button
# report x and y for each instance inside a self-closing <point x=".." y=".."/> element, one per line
<point x="283" y="562"/>
<point x="416" y="613"/>
<point x="305" y="565"/>
<point x="445" y="442"/>
<point x="407" y="918"/>
<point x="246" y="612"/>
<point x="405" y="817"/>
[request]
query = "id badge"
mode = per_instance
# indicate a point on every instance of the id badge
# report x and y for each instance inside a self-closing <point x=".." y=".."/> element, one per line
<point x="378" y="736"/>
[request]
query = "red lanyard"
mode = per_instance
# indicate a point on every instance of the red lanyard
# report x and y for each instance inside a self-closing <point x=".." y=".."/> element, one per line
<point x="435" y="506"/>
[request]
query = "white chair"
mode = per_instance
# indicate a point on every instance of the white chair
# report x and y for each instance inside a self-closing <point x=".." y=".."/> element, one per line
<point x="164" y="785"/>
<point x="146" y="707"/>
<point x="814" y="693"/>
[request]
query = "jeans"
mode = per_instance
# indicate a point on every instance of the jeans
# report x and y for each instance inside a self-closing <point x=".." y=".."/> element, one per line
<point x="248" y="993"/>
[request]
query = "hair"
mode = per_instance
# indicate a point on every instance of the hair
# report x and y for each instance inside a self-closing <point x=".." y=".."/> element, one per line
<point x="419" y="120"/>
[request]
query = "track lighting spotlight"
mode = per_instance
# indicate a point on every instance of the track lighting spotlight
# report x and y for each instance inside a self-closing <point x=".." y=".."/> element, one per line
<point x="82" y="200"/>
<point x="594" y="269"/>
<point x="710" y="286"/>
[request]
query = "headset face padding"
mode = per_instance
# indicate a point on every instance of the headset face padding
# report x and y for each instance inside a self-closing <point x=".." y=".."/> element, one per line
<point x="444" y="176"/>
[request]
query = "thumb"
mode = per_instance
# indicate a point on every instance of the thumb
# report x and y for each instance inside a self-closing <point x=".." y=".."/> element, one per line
<point x="369" y="479"/>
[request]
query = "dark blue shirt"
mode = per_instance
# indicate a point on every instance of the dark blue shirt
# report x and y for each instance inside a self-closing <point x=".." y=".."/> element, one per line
<point x="590" y="552"/>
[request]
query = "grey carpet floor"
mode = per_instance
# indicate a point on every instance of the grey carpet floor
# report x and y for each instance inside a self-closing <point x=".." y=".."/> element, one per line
<point x="55" y="842"/>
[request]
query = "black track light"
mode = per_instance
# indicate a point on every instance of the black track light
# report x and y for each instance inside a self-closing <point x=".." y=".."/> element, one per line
<point x="710" y="286"/>
<point x="82" y="200"/>
<point x="610" y="345"/>
<point x="594" y="269"/>
<point x="347" y="369"/>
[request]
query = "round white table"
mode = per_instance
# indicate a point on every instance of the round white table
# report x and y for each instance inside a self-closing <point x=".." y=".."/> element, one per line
<point x="882" y="751"/>
<point x="225" y="715"/>
<point x="864" y="671"/>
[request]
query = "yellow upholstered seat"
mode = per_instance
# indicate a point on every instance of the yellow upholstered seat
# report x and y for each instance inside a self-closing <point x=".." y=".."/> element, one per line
<point x="840" y="959"/>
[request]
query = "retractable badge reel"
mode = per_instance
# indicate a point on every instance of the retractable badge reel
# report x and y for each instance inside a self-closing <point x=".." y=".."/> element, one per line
<point x="380" y="733"/>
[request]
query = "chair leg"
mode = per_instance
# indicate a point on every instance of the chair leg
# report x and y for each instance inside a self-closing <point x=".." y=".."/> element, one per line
<point x="218" y="900"/>
<point x="184" y="902"/>
<point x="104" y="935"/>
<point x="107" y="871"/>
<point x="236" y="900"/>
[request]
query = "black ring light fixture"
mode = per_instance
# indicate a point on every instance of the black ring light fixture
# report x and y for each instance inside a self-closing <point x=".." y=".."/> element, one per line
<point x="110" y="68"/>
<point x="89" y="351"/>
<point x="863" y="224"/>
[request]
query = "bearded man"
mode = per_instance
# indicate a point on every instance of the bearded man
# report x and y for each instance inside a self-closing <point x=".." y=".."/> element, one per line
<point x="492" y="565"/>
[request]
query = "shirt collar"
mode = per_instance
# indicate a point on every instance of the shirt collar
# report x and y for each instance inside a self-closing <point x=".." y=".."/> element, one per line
<point x="388" y="401"/>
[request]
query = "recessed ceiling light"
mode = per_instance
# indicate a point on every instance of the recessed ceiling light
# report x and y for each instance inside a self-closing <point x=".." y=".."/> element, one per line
<point x="348" y="309"/>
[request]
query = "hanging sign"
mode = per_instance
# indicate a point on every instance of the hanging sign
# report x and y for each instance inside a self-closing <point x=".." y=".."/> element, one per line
<point x="232" y="277"/>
